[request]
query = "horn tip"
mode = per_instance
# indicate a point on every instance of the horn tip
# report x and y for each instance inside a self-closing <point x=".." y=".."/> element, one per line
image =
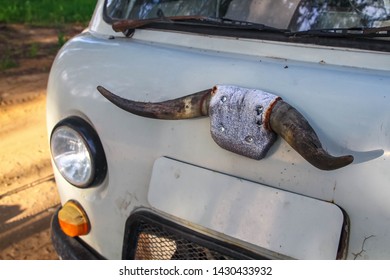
<point x="337" y="163"/>
<point x="105" y="92"/>
<point x="101" y="89"/>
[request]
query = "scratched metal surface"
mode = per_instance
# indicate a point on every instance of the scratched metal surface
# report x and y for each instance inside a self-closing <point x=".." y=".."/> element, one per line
<point x="238" y="120"/>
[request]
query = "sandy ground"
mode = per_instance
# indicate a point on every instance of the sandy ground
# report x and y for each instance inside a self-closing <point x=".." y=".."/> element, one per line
<point x="28" y="194"/>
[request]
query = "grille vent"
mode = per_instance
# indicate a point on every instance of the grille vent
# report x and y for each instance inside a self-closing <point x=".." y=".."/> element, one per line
<point x="150" y="237"/>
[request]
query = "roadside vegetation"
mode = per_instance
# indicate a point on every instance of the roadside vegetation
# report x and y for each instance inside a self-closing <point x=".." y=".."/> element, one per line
<point x="46" y="12"/>
<point x="60" y="15"/>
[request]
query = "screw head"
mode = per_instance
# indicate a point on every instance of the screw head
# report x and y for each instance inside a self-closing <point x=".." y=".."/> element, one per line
<point x="249" y="139"/>
<point x="259" y="110"/>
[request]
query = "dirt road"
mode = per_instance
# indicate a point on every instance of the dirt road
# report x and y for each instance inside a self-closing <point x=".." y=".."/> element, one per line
<point x="28" y="195"/>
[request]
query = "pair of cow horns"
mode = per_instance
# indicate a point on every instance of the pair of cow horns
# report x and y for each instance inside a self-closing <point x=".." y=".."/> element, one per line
<point x="284" y="120"/>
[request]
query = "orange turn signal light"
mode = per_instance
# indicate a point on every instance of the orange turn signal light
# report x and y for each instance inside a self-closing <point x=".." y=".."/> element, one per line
<point x="73" y="220"/>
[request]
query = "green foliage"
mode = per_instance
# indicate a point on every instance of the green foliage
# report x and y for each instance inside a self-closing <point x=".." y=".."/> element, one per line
<point x="6" y="61"/>
<point x="46" y="12"/>
<point x="61" y="40"/>
<point x="33" y="50"/>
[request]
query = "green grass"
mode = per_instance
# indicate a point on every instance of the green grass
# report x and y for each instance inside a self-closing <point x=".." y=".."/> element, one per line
<point x="6" y="61"/>
<point x="46" y="12"/>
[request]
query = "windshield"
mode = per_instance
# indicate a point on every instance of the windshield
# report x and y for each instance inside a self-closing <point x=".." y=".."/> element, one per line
<point x="293" y="15"/>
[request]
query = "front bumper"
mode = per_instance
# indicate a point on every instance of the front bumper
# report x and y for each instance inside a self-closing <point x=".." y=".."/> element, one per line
<point x="151" y="237"/>
<point x="69" y="248"/>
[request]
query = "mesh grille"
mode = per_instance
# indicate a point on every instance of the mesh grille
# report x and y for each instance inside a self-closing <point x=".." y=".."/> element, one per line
<point x="156" y="244"/>
<point x="151" y="237"/>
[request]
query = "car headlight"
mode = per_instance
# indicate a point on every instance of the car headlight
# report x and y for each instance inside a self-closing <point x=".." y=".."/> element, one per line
<point x="78" y="153"/>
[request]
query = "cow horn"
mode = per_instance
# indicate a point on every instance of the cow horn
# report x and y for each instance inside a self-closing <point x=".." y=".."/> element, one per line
<point x="187" y="107"/>
<point x="284" y="120"/>
<point x="287" y="122"/>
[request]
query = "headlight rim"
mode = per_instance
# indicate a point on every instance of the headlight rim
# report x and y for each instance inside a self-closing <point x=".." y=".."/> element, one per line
<point x="92" y="143"/>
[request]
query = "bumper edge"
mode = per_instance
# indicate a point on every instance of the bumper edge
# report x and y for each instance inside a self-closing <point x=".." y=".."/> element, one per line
<point x="69" y="248"/>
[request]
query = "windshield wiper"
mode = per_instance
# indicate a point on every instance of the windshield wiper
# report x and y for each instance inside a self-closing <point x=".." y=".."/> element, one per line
<point x="128" y="26"/>
<point x="131" y="24"/>
<point x="239" y="24"/>
<point x="358" y="32"/>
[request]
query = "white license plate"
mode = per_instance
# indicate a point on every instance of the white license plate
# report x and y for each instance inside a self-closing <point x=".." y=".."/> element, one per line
<point x="260" y="216"/>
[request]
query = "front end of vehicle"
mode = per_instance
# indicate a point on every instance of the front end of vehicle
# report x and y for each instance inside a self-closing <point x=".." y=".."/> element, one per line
<point x="136" y="187"/>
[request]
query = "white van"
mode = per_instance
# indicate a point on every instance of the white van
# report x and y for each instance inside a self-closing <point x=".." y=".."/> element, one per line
<point x="224" y="129"/>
